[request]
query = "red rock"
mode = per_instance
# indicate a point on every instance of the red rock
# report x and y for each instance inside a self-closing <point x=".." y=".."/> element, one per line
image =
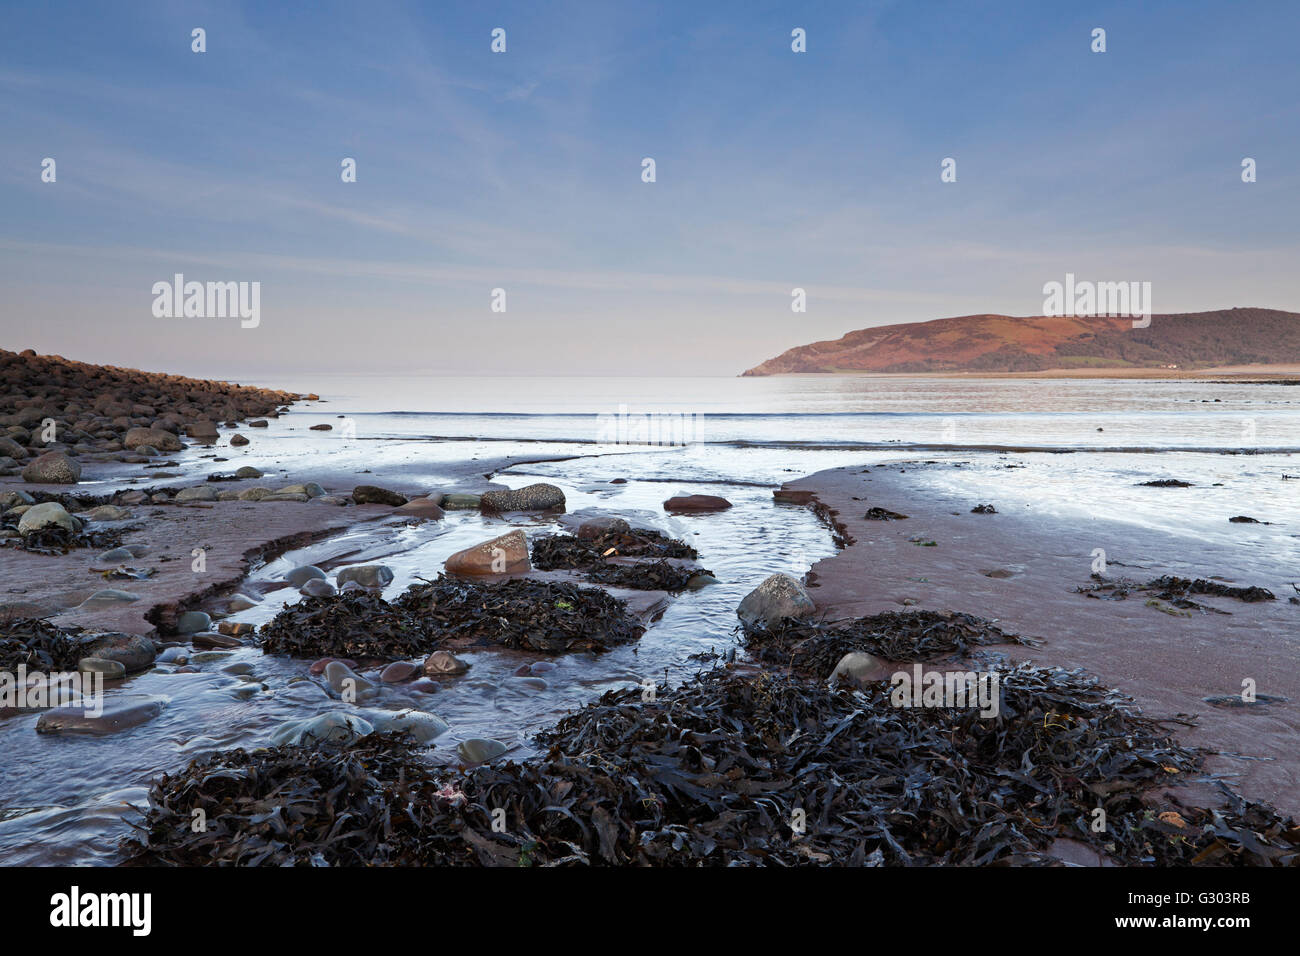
<point x="507" y="554"/>
<point x="697" y="503"/>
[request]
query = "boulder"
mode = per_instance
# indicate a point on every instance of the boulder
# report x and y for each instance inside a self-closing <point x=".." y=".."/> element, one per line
<point x="778" y="597"/>
<point x="690" y="503"/>
<point x="444" y="664"/>
<point x="108" y="513"/>
<point x="301" y="575"/>
<point x="112" y="670"/>
<point x="374" y="495"/>
<point x="317" y="587"/>
<point x="238" y="439"/>
<point x="309" y="488"/>
<point x="248" y="471"/>
<point x="133" y="651"/>
<point x="45" y="515"/>
<point x="120" y="715"/>
<point x="398" y="671"/>
<point x="506" y="554"/>
<point x="367" y="575"/>
<point x="536" y="497"/>
<point x="11" y="449"/>
<point x="191" y="622"/>
<point x="334" y="726"/>
<point x="197" y="493"/>
<point x="348" y="683"/>
<point x="459" y="502"/>
<point x="422" y="508"/>
<point x="52" y="468"/>
<point x="154" y="438"/>
<point x="858" y="668"/>
<point x="480" y="749"/>
<point x="202" y="431"/>
<point x="420" y="725"/>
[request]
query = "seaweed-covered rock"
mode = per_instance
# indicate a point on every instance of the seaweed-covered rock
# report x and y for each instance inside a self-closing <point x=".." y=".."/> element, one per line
<point x="544" y="616"/>
<point x="816" y="649"/>
<point x="592" y="556"/>
<point x="44" y="515"/>
<point x="353" y="624"/>
<point x="374" y="495"/>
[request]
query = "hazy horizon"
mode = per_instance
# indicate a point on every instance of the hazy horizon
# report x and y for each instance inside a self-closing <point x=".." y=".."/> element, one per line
<point x="522" y="170"/>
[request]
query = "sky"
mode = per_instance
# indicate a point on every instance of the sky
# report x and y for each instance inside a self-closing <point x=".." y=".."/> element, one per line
<point x="522" y="170"/>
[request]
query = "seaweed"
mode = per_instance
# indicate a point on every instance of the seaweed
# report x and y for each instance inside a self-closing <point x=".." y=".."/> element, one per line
<point x="728" y="770"/>
<point x="813" y="648"/>
<point x="546" y="616"/>
<point x="351" y="624"/>
<point x="39" y="645"/>
<point x="1175" y="590"/>
<point x="591" y="557"/>
<point x="644" y="575"/>
<point x="568" y="551"/>
<point x="56" y="540"/>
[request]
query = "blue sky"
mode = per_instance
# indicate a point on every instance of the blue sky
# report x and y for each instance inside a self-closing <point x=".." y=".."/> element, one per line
<point x="522" y="171"/>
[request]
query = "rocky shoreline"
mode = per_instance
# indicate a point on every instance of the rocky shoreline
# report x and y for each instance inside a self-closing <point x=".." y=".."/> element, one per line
<point x="57" y="413"/>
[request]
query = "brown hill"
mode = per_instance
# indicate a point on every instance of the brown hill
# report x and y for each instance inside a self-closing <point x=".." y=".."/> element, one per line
<point x="1004" y="343"/>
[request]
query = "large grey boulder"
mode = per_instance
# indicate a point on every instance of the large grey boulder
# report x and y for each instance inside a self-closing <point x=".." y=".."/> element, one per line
<point x="44" y="515"/>
<point x="777" y="598"/>
<point x="367" y="575"/>
<point x="134" y="652"/>
<point x="537" y="497"/>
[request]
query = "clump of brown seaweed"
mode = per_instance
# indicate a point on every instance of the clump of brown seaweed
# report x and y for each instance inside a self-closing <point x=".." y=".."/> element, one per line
<point x="592" y="557"/>
<point x="547" y="616"/>
<point x="813" y="648"/>
<point x="1175" y="590"/>
<point x="39" y="645"/>
<point x="351" y="624"/>
<point x="55" y="540"/>
<point x="731" y="769"/>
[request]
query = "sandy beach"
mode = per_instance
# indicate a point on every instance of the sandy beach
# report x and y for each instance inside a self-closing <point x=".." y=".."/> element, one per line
<point x="1022" y="571"/>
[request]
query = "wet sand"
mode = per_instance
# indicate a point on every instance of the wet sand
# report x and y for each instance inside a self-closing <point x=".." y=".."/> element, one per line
<point x="1167" y="663"/>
